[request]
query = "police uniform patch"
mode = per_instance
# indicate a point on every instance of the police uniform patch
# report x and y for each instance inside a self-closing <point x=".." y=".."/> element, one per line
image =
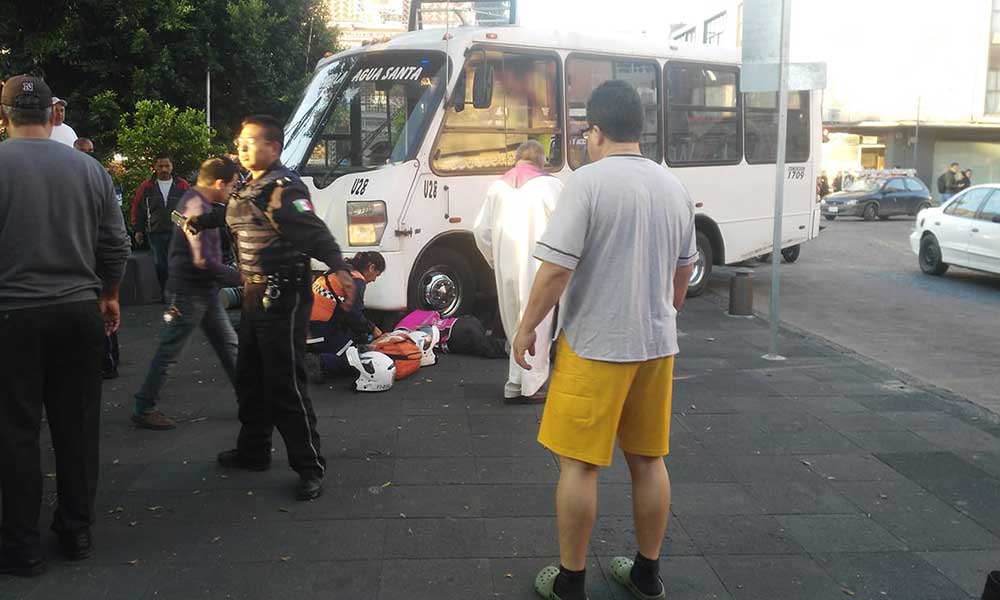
<point x="303" y="205"/>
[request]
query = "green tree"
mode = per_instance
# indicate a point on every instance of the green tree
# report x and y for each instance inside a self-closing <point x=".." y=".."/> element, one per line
<point x="156" y="127"/>
<point x="106" y="55"/>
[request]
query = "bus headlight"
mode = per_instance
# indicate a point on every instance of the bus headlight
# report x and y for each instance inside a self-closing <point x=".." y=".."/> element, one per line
<point x="366" y="223"/>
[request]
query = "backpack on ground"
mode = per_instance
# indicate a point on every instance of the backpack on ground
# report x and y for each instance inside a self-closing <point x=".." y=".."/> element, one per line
<point x="403" y="351"/>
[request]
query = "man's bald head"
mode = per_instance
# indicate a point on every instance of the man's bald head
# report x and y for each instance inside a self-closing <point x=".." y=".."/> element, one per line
<point x="84" y="145"/>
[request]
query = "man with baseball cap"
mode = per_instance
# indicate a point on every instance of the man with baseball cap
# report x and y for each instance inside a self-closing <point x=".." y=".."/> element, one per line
<point x="61" y="132"/>
<point x="59" y="282"/>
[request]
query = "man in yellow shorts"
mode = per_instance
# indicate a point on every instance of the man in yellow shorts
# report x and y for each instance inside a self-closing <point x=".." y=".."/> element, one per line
<point x="618" y="251"/>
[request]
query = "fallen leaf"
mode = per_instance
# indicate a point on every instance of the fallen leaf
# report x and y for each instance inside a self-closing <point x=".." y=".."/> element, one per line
<point x="509" y="575"/>
<point x="216" y="538"/>
<point x="154" y="508"/>
<point x="847" y="591"/>
<point x="386" y="484"/>
<point x="133" y="523"/>
<point x="250" y="493"/>
<point x="284" y="510"/>
<point x="284" y="558"/>
<point x="134" y="562"/>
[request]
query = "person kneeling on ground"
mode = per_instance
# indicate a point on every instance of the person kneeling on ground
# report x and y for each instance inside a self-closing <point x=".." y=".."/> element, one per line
<point x="196" y="270"/>
<point x="338" y="327"/>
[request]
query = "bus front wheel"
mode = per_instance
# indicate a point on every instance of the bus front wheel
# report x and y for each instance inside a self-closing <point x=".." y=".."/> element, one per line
<point x="444" y="282"/>
<point x="702" y="268"/>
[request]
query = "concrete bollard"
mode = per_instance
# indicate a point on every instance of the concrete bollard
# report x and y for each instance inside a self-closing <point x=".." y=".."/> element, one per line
<point x="741" y="293"/>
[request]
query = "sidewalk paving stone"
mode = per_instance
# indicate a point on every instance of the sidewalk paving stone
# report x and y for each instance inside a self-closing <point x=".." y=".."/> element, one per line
<point x="822" y="477"/>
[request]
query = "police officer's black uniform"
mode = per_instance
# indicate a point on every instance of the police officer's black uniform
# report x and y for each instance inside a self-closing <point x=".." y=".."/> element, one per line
<point x="275" y="232"/>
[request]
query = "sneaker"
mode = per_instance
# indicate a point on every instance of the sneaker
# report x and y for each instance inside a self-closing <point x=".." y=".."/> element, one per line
<point x="154" y="420"/>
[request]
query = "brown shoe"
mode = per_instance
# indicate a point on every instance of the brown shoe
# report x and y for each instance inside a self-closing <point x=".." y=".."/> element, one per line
<point x="154" y="420"/>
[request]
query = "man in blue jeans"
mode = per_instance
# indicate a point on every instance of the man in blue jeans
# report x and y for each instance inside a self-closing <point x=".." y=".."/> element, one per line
<point x="196" y="272"/>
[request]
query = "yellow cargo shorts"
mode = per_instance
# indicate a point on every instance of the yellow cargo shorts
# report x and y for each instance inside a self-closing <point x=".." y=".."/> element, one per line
<point x="591" y="402"/>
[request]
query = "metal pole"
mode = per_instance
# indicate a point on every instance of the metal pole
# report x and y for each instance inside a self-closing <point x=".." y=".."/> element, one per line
<point x="916" y="136"/>
<point x="779" y="178"/>
<point x="208" y="97"/>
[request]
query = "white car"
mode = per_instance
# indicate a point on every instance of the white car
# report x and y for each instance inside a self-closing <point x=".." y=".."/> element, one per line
<point x="964" y="231"/>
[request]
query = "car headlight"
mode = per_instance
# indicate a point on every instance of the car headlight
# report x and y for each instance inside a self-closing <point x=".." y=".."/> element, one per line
<point x="366" y="223"/>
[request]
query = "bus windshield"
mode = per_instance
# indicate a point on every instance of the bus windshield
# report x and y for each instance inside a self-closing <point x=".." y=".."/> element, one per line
<point x="362" y="112"/>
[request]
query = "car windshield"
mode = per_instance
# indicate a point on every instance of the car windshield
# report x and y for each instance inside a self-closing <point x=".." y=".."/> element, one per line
<point x="868" y="184"/>
<point x="362" y="112"/>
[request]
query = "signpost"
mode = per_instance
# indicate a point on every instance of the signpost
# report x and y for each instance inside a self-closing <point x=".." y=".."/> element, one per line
<point x="766" y="68"/>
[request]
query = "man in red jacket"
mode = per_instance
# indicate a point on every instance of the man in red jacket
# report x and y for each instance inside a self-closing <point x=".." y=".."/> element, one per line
<point x="152" y="204"/>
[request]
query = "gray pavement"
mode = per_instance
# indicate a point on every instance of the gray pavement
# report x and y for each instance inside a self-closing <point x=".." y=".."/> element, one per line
<point x="859" y="286"/>
<point x="820" y="478"/>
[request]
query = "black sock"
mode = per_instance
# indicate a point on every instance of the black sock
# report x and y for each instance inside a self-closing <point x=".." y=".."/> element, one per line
<point x="646" y="575"/>
<point x="571" y="585"/>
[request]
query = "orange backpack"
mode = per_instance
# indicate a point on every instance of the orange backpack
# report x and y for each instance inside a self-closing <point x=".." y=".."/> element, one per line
<point x="403" y="351"/>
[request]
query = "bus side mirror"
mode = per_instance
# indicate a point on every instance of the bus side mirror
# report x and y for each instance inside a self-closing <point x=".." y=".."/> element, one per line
<point x="458" y="94"/>
<point x="482" y="86"/>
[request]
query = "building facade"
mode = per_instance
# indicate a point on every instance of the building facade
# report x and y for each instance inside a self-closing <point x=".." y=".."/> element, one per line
<point x="909" y="84"/>
<point x="359" y="21"/>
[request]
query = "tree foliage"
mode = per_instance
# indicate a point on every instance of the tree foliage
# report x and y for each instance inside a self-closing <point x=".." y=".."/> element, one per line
<point x="156" y="127"/>
<point x="106" y="55"/>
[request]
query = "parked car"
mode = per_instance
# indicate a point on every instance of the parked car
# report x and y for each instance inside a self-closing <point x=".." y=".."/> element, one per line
<point x="964" y="232"/>
<point x="878" y="198"/>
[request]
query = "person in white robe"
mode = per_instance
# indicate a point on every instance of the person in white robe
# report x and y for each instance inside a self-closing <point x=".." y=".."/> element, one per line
<point x="512" y="220"/>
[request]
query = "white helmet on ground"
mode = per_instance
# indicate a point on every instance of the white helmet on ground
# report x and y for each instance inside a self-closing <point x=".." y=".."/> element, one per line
<point x="426" y="338"/>
<point x="376" y="371"/>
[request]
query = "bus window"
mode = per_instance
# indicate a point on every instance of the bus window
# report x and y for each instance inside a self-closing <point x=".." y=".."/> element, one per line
<point x="703" y="115"/>
<point x="525" y="105"/>
<point x="761" y="117"/>
<point x="585" y="74"/>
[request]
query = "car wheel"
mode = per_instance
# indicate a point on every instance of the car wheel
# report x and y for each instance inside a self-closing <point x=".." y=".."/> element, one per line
<point x="870" y="213"/>
<point x="930" y="256"/>
<point x="830" y="217"/>
<point x="444" y="282"/>
<point x="702" y="268"/>
<point x="791" y="254"/>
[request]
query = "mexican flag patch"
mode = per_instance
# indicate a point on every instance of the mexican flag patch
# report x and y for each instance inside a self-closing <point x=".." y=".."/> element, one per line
<point x="303" y="205"/>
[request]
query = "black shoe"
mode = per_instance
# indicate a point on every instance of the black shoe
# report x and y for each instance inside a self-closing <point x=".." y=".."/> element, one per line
<point x="19" y="566"/>
<point x="232" y="459"/>
<point x="77" y="545"/>
<point x="310" y="487"/>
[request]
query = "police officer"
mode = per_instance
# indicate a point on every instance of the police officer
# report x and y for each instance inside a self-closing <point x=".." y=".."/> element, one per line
<point x="276" y="231"/>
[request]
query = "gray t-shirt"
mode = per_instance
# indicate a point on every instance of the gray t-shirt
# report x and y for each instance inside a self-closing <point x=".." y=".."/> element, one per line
<point x="61" y="230"/>
<point x="623" y="225"/>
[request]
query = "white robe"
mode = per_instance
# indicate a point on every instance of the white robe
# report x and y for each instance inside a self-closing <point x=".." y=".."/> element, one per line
<point x="509" y="224"/>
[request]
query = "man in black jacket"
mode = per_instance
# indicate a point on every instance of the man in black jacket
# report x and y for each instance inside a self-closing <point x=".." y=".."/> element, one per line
<point x="276" y="231"/>
<point x="152" y="204"/>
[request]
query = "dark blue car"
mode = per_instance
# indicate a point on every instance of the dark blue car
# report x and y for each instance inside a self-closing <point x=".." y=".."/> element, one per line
<point x="878" y="198"/>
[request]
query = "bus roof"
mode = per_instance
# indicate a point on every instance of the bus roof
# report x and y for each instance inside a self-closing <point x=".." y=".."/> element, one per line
<point x="550" y="39"/>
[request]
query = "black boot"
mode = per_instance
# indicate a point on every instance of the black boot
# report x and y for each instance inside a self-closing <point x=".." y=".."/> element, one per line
<point x="992" y="591"/>
<point x="232" y="459"/>
<point x="309" y="488"/>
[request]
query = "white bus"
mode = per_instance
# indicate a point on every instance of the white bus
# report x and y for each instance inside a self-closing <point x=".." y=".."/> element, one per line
<point x="399" y="141"/>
